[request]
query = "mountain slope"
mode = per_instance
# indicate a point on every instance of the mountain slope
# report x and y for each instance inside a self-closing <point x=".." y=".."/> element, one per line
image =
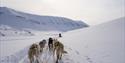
<point x="22" y="20"/>
<point x="104" y="43"/>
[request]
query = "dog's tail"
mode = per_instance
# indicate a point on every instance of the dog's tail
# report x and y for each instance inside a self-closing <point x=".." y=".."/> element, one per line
<point x="65" y="51"/>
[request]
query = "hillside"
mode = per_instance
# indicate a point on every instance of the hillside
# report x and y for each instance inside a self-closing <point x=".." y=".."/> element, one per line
<point x="21" y="20"/>
<point x="104" y="43"/>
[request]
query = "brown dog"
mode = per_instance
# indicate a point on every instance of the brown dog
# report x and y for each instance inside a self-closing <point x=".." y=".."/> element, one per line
<point x="42" y="45"/>
<point x="59" y="49"/>
<point x="33" y="53"/>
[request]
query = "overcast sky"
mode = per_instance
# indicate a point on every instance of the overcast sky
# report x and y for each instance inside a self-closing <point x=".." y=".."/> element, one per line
<point x="92" y="11"/>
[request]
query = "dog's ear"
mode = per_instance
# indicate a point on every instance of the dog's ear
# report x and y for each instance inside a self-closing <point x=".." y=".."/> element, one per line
<point x="55" y="39"/>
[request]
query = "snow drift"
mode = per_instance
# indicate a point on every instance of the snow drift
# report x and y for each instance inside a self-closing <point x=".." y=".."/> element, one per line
<point x="104" y="43"/>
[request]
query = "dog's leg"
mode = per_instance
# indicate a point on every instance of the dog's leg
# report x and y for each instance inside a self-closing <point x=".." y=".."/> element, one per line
<point x="31" y="59"/>
<point x="54" y="58"/>
<point x="37" y="61"/>
<point x="57" y="54"/>
<point x="49" y="47"/>
<point x="61" y="52"/>
<point x="56" y="61"/>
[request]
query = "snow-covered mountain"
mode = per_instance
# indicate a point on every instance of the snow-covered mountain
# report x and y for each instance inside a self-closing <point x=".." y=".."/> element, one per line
<point x="104" y="43"/>
<point x="20" y="20"/>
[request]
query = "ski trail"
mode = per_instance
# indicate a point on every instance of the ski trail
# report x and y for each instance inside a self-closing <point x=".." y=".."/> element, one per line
<point x="47" y="57"/>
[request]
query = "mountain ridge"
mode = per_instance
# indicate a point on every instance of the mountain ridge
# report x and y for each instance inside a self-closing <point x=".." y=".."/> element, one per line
<point x="39" y="22"/>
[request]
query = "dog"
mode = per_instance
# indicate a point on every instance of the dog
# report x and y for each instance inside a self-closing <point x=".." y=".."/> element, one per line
<point x="33" y="53"/>
<point x="42" y="45"/>
<point x="58" y="49"/>
<point x="50" y="44"/>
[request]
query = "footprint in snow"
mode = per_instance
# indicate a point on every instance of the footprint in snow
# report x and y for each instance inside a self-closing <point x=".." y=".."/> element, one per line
<point x="89" y="59"/>
<point x="77" y="52"/>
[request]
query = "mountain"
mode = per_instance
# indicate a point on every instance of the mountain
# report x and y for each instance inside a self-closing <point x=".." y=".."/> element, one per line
<point x="21" y="20"/>
<point x="104" y="43"/>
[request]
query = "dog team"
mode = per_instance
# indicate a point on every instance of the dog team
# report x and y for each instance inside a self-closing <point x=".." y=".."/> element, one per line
<point x="54" y="46"/>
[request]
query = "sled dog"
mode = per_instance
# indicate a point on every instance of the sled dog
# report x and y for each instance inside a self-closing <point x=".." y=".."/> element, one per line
<point x="42" y="45"/>
<point x="33" y="53"/>
<point x="58" y="49"/>
<point x="50" y="44"/>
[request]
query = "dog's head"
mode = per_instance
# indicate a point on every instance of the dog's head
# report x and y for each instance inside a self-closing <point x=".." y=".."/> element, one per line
<point x="42" y="43"/>
<point x="34" y="46"/>
<point x="56" y="44"/>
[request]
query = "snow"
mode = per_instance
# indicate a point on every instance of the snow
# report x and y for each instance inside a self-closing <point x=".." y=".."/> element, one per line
<point x="104" y="43"/>
<point x="6" y="30"/>
<point x="14" y="49"/>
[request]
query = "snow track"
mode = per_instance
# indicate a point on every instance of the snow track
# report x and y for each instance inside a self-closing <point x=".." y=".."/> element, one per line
<point x="46" y="57"/>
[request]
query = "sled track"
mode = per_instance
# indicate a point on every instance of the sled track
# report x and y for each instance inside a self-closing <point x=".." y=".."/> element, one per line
<point x="46" y="57"/>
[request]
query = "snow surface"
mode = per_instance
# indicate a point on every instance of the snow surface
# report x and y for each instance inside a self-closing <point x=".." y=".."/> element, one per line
<point x="20" y="20"/>
<point x="14" y="49"/>
<point x="6" y="30"/>
<point x="103" y="43"/>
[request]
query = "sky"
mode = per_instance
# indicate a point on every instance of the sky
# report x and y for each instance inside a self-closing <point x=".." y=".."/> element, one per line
<point x="93" y="12"/>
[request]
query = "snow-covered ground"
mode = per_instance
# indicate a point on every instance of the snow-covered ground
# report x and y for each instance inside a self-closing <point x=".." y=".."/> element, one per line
<point x="14" y="49"/>
<point x="103" y="43"/>
<point x="6" y="30"/>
